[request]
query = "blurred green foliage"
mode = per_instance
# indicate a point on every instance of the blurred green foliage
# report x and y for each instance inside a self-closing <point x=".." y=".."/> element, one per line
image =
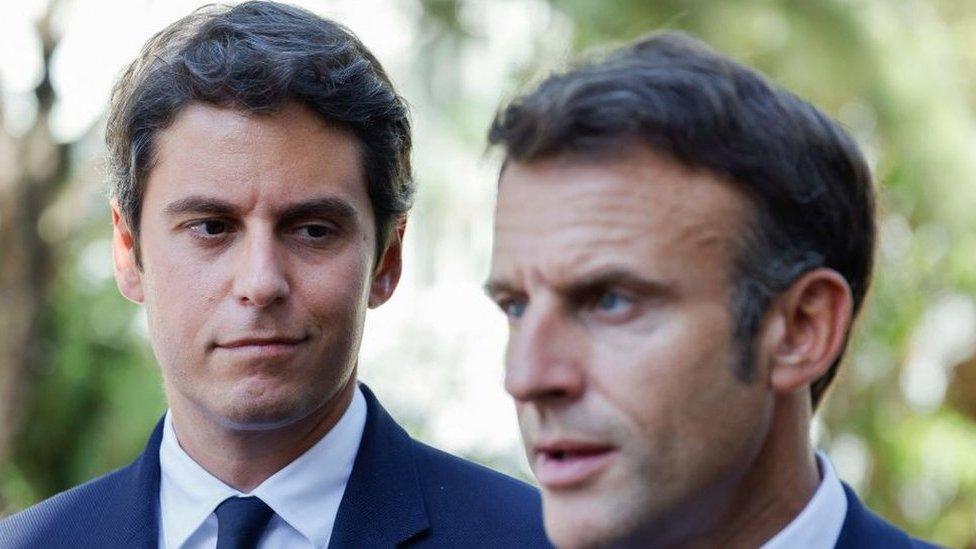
<point x="900" y="74"/>
<point x="96" y="391"/>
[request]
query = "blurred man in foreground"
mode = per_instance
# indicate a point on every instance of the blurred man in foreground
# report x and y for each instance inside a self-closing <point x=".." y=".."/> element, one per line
<point x="680" y="249"/>
<point x="261" y="180"/>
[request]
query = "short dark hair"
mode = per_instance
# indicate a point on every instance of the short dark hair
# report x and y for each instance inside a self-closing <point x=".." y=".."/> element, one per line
<point x="809" y="184"/>
<point x="257" y="57"/>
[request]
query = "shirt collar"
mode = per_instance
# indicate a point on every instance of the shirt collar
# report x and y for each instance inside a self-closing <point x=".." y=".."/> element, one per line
<point x="305" y="494"/>
<point x="819" y="523"/>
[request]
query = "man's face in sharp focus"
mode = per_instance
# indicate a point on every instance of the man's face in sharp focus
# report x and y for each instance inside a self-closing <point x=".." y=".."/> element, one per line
<point x="258" y="245"/>
<point x="615" y="276"/>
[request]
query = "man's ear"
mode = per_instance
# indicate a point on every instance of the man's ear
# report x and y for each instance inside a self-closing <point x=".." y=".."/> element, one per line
<point x="807" y="329"/>
<point x="128" y="275"/>
<point x="386" y="274"/>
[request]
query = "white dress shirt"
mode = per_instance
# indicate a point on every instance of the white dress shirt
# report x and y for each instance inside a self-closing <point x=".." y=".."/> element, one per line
<point x="819" y="524"/>
<point x="304" y="495"/>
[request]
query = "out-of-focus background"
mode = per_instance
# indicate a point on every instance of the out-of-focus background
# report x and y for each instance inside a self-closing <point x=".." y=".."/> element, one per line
<point x="79" y="388"/>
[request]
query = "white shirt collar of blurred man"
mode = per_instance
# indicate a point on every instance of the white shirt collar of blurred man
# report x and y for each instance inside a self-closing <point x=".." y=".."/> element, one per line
<point x="305" y="495"/>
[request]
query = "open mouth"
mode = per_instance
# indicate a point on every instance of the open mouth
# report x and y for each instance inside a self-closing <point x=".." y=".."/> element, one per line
<point x="564" y="455"/>
<point x="565" y="465"/>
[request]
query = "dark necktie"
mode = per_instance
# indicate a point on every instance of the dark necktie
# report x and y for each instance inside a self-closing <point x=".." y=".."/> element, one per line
<point x="240" y="522"/>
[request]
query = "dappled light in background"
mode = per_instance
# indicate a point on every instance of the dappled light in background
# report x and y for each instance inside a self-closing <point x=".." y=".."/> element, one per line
<point x="900" y="423"/>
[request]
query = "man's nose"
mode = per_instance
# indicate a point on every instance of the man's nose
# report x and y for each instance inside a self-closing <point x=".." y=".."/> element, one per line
<point x="261" y="279"/>
<point x="546" y="356"/>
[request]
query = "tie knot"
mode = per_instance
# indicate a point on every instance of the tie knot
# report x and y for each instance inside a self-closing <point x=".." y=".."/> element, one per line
<point x="241" y="521"/>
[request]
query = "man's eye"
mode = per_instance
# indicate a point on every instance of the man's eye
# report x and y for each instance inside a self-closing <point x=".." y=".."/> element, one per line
<point x="513" y="308"/>
<point x="315" y="231"/>
<point x="611" y="302"/>
<point x="210" y="227"/>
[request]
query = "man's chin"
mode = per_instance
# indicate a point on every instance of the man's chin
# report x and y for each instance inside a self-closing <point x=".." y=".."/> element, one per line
<point x="585" y="520"/>
<point x="570" y="526"/>
<point x="573" y="536"/>
<point x="264" y="411"/>
<point x="259" y="421"/>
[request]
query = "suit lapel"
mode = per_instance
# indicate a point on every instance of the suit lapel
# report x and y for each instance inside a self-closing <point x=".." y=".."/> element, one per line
<point x="383" y="504"/>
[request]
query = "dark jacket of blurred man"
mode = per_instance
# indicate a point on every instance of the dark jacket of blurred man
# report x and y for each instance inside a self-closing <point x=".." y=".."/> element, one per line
<point x="680" y="249"/>
<point x="260" y="161"/>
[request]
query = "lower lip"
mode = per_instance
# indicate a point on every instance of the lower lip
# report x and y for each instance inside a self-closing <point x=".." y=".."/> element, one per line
<point x="270" y="350"/>
<point x="571" y="470"/>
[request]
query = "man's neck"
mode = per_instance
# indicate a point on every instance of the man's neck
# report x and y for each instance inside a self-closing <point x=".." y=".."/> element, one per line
<point x="243" y="459"/>
<point x="781" y="482"/>
<point x="776" y="487"/>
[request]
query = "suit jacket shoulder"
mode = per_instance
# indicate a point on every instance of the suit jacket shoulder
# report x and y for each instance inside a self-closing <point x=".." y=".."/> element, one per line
<point x="471" y="502"/>
<point x="863" y="529"/>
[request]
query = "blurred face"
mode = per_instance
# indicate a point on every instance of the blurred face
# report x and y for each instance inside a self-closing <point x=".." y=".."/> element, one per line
<point x="258" y="246"/>
<point x="615" y="278"/>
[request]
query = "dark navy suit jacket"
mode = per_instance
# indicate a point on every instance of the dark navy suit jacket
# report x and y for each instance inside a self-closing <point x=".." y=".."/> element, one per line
<point x="401" y="493"/>
<point x="864" y="530"/>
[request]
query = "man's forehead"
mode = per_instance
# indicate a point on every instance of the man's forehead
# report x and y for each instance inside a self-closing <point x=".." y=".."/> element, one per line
<point x="639" y="173"/>
<point x="640" y="193"/>
<point x="232" y="121"/>
<point x="285" y="157"/>
<point x="208" y="136"/>
<point x="644" y="212"/>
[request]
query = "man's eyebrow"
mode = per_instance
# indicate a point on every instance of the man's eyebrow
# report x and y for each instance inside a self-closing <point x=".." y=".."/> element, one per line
<point x="593" y="282"/>
<point x="200" y="204"/>
<point x="613" y="277"/>
<point x="320" y="207"/>
<point x="331" y="207"/>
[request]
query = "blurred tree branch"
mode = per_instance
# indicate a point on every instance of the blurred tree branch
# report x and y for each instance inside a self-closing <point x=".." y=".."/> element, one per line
<point x="35" y="167"/>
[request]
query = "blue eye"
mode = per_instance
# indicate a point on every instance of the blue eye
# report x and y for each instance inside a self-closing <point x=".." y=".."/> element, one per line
<point x="611" y="301"/>
<point x="513" y="308"/>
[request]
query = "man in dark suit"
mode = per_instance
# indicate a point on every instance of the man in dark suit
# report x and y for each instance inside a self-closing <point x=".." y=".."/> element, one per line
<point x="261" y="179"/>
<point x="680" y="248"/>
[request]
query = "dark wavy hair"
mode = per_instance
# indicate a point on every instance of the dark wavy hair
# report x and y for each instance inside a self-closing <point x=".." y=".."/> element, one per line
<point x="257" y="57"/>
<point x="809" y="184"/>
